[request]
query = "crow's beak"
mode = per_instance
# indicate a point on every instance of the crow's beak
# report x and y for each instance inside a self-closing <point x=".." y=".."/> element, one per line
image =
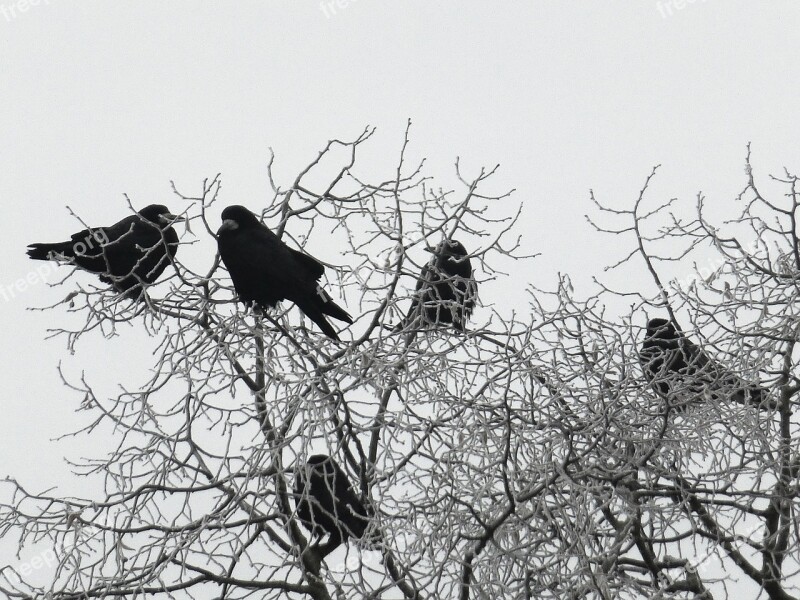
<point x="228" y="225"/>
<point x="170" y="218"/>
<point x="430" y="249"/>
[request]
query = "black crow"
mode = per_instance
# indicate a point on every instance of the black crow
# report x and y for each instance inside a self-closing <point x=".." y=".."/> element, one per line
<point x="682" y="373"/>
<point x="446" y="289"/>
<point x="265" y="271"/>
<point x="327" y="503"/>
<point x="128" y="254"/>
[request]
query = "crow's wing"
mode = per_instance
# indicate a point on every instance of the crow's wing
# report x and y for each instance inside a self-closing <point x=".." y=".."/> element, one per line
<point x="470" y="295"/>
<point x="723" y="384"/>
<point x="263" y="268"/>
<point x="134" y="243"/>
<point x="669" y="365"/>
<point x="352" y="513"/>
<point x="427" y="276"/>
<point x="350" y="510"/>
<point x="312" y="266"/>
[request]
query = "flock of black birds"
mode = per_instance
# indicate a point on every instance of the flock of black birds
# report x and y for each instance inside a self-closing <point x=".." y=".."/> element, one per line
<point x="135" y="251"/>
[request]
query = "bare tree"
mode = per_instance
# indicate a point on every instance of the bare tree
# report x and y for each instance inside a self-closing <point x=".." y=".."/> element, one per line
<point x="525" y="457"/>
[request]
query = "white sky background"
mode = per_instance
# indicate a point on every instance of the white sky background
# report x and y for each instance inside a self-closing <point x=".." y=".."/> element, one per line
<point x="104" y="98"/>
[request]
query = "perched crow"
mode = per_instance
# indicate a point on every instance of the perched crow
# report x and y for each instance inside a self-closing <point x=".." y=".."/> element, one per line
<point x="682" y="373"/>
<point x="446" y="289"/>
<point x="132" y="252"/>
<point x="265" y="271"/>
<point x="327" y="503"/>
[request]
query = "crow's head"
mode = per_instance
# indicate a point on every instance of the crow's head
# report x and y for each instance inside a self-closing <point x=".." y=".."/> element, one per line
<point x="159" y="214"/>
<point x="237" y="217"/>
<point x="321" y="465"/>
<point x="661" y="329"/>
<point x="449" y="248"/>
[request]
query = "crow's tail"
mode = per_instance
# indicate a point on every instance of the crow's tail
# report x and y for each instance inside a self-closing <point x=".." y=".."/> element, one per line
<point x="313" y="312"/>
<point x="327" y="306"/>
<point x="754" y="395"/>
<point x="44" y="251"/>
<point x="324" y="325"/>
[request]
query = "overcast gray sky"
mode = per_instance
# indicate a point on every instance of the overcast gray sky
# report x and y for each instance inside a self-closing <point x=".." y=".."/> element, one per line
<point x="105" y="98"/>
